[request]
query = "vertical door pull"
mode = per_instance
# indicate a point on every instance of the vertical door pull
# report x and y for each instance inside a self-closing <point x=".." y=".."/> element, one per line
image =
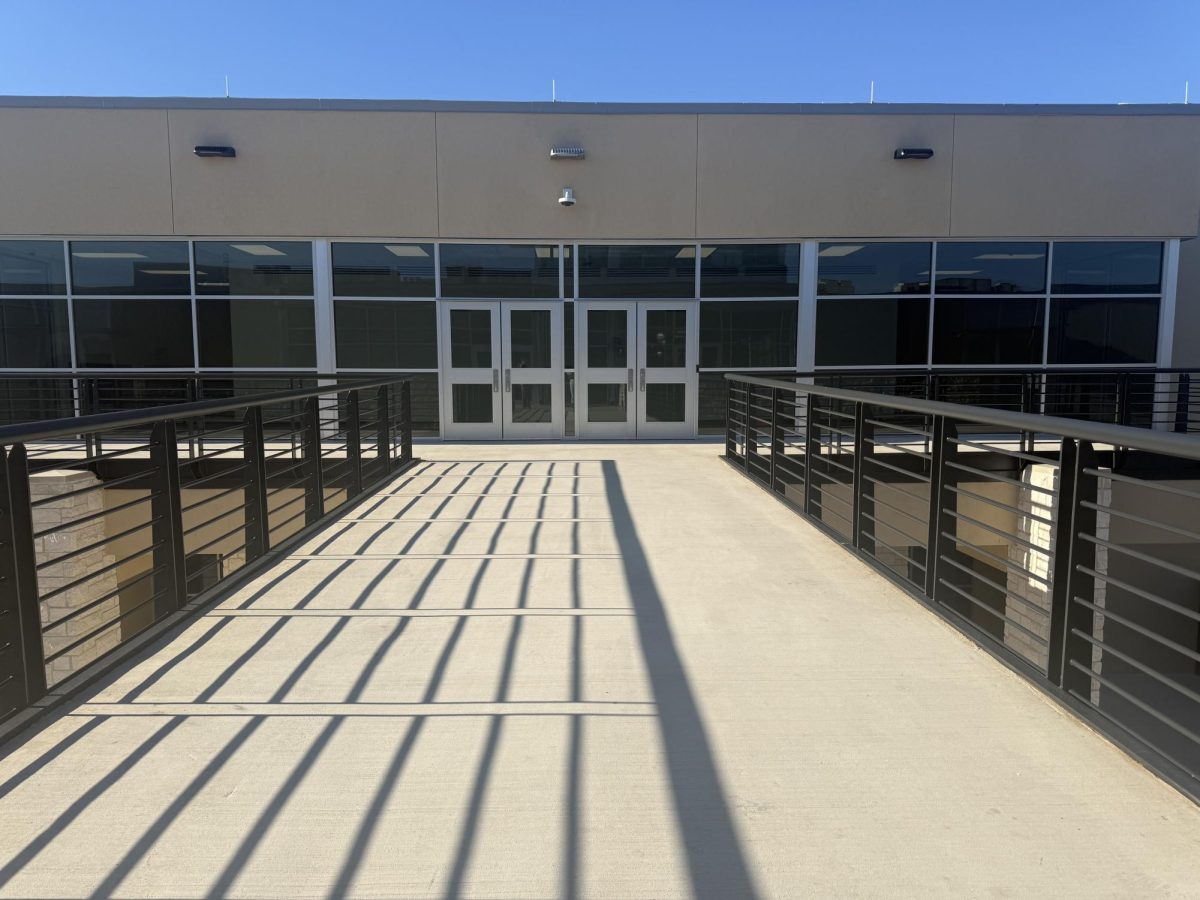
<point x="630" y="371"/>
<point x="641" y="379"/>
<point x="507" y="380"/>
<point x="495" y="381"/>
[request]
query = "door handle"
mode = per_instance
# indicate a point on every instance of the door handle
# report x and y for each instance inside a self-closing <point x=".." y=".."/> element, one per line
<point x="495" y="381"/>
<point x="630" y="371"/>
<point x="507" y="380"/>
<point x="641" y="380"/>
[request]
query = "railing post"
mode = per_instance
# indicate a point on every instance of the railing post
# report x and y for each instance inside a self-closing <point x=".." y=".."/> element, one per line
<point x="730" y="441"/>
<point x="258" y="528"/>
<point x="864" y="444"/>
<point x="170" y="582"/>
<point x="406" y="422"/>
<point x="354" y="443"/>
<point x="775" y="441"/>
<point x="751" y="445"/>
<point x="1076" y="620"/>
<point x="811" y="445"/>
<point x="1183" y="396"/>
<point x="383" y="431"/>
<point x="1064" y="548"/>
<point x="314" y="488"/>
<point x="941" y="498"/>
<point x="20" y="606"/>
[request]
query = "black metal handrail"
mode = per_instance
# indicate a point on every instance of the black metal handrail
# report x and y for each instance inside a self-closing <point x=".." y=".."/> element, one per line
<point x="115" y="521"/>
<point x="1068" y="548"/>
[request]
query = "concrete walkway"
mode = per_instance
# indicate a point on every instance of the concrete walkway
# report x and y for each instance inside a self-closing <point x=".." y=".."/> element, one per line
<point x="580" y="671"/>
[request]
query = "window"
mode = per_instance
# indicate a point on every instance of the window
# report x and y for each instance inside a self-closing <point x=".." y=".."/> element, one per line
<point x="891" y="268"/>
<point x="1107" y="267"/>
<point x="32" y="267"/>
<point x="251" y="334"/>
<point x="991" y="268"/>
<point x="750" y="270"/>
<point x="883" y="332"/>
<point x="130" y="267"/>
<point x="141" y="333"/>
<point x="568" y="335"/>
<point x="275" y="268"/>
<point x="499" y="270"/>
<point x="746" y="334"/>
<point x="642" y="271"/>
<point x="1104" y="330"/>
<point x="373" y="334"/>
<point x="34" y="334"/>
<point x="987" y="330"/>
<point x="383" y="270"/>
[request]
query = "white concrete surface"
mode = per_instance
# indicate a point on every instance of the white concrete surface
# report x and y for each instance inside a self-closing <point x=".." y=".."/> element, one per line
<point x="579" y="670"/>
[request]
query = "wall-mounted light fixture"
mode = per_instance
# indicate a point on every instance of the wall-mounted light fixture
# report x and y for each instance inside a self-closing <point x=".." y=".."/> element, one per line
<point x="913" y="153"/>
<point x="208" y="151"/>
<point x="567" y="153"/>
<point x="567" y="198"/>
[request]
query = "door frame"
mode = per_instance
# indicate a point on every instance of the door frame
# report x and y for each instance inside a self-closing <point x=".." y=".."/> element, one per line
<point x="510" y="376"/>
<point x="687" y="374"/>
<point x="586" y="375"/>
<point x="449" y="376"/>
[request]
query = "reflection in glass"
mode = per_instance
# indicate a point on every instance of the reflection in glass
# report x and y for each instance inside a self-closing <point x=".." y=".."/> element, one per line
<point x="606" y="335"/>
<point x="569" y="402"/>
<point x="130" y="267"/>
<point x="32" y="267"/>
<point x="274" y="268"/>
<point x="568" y="335"/>
<point x="148" y="334"/>
<point x="255" y="334"/>
<point x="1109" y="330"/>
<point x="748" y="334"/>
<point x="666" y="402"/>
<point x="987" y="331"/>
<point x="471" y="338"/>
<point x="376" y="334"/>
<point x="750" y="270"/>
<point x="713" y="403"/>
<point x="606" y="403"/>
<point x="880" y="268"/>
<point x="641" y="271"/>
<point x="531" y="402"/>
<point x="530" y="338"/>
<point x="382" y="270"/>
<point x="884" y="332"/>
<point x="991" y="268"/>
<point x="34" y="334"/>
<point x="1107" y="267"/>
<point x="471" y="403"/>
<point x="499" y="270"/>
<point x="666" y="338"/>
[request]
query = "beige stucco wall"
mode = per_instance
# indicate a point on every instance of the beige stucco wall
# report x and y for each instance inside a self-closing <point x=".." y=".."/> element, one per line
<point x="443" y="172"/>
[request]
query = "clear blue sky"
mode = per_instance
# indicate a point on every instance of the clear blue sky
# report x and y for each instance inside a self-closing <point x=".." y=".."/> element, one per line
<point x="1022" y="51"/>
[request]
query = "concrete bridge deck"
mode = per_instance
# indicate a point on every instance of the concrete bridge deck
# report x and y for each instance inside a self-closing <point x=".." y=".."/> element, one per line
<point x="582" y="671"/>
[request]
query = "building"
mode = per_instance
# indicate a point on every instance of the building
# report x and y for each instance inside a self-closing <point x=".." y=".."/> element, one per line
<point x="432" y="238"/>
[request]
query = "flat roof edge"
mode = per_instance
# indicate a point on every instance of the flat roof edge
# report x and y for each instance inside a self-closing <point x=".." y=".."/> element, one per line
<point x="505" y="106"/>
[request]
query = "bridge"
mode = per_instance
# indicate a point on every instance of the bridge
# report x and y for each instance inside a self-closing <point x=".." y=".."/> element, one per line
<point x="597" y="669"/>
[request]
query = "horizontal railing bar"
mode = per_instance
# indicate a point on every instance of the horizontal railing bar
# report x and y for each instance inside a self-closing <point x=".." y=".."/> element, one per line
<point x="1005" y="451"/>
<point x="296" y="499"/>
<point x="983" y="473"/>
<point x="100" y="543"/>
<point x="116" y="620"/>
<point x="1143" y="483"/>
<point x="919" y="477"/>
<point x="288" y="520"/>
<point x="908" y="560"/>
<point x="71" y="585"/>
<point x="1141" y="520"/>
<point x="91" y="517"/>
<point x="999" y="560"/>
<point x="111" y="483"/>
<point x="917" y="541"/>
<point x="204" y="479"/>
<point x="1138" y="702"/>
<point x="1138" y="664"/>
<point x="216" y="454"/>
<point x="228" y="534"/>
<point x="79" y="611"/>
<point x="902" y="429"/>
<point x="1042" y="612"/>
<point x="216" y="496"/>
<point x="928" y="457"/>
<point x="962" y="517"/>
<point x="217" y="518"/>
<point x="1141" y="592"/>
<point x="1032" y="635"/>
<point x="1017" y="511"/>
<point x="873" y="499"/>
<point x="1145" y="557"/>
<point x="891" y="486"/>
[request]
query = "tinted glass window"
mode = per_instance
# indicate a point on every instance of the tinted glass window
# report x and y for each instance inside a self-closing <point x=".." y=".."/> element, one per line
<point x="530" y="338"/>
<point x="748" y="334"/>
<point x="378" y="335"/>
<point x="606" y="338"/>
<point x="568" y="273"/>
<point x="383" y="270"/>
<point x="32" y="267"/>
<point x="1107" y="267"/>
<point x="666" y="339"/>
<point x="254" y="268"/>
<point x="568" y="335"/>
<point x="750" y="270"/>
<point x="499" y="270"/>
<point x="873" y="268"/>
<point x="872" y="332"/>
<point x="637" y="271"/>
<point x="1106" y="330"/>
<point x="984" y="330"/>
<point x="149" y="334"/>
<point x="256" y="333"/>
<point x="991" y="268"/>
<point x="470" y="338"/>
<point x="130" y="267"/>
<point x="34" y="334"/>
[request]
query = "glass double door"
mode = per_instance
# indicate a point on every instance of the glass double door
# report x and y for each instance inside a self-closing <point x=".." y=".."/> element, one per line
<point x="503" y="369"/>
<point x="636" y="368"/>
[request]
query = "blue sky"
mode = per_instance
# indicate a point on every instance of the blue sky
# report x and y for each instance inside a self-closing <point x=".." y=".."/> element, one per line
<point x="1052" y="51"/>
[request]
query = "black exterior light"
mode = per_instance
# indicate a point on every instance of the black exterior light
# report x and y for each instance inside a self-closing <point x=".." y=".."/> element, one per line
<point x="224" y="152"/>
<point x="913" y="153"/>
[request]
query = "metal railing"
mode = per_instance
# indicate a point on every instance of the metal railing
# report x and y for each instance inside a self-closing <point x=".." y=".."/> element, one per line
<point x="115" y="521"/>
<point x="1071" y="549"/>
